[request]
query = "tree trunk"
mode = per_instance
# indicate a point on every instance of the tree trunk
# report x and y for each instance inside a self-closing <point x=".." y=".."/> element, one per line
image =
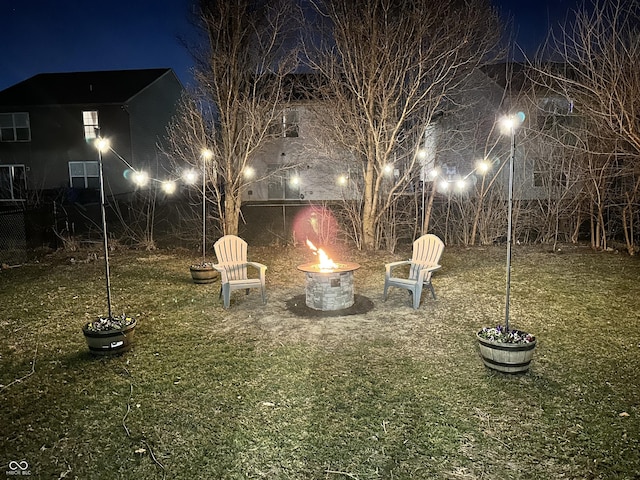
<point x="429" y="208"/>
<point x="230" y="222"/>
<point x="369" y="210"/>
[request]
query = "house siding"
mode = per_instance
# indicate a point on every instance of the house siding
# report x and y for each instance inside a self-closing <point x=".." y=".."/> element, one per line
<point x="317" y="165"/>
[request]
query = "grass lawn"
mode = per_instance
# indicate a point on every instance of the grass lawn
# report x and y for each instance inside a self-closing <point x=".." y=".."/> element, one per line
<point x="264" y="392"/>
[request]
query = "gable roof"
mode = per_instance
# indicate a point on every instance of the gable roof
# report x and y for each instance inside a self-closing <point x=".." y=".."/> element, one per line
<point x="99" y="87"/>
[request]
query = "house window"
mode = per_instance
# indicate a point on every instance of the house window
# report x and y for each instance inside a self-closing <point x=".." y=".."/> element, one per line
<point x="14" y="127"/>
<point x="91" y="126"/>
<point x="554" y="111"/>
<point x="84" y="174"/>
<point x="290" y="123"/>
<point x="284" y="183"/>
<point x="13" y="182"/>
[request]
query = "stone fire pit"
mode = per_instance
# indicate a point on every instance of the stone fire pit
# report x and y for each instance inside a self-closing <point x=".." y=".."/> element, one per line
<point x="329" y="288"/>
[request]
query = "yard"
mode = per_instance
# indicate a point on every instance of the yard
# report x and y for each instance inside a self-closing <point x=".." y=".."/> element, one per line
<point x="269" y="392"/>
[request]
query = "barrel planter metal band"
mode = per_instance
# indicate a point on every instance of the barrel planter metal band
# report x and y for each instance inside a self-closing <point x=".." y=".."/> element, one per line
<point x="110" y="342"/>
<point x="506" y="357"/>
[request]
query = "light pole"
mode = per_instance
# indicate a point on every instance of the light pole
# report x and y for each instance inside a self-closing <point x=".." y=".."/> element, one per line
<point x="510" y="123"/>
<point x="206" y="155"/>
<point x="103" y="145"/>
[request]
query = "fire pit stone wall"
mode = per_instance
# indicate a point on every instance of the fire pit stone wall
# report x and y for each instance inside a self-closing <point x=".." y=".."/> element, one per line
<point x="329" y="290"/>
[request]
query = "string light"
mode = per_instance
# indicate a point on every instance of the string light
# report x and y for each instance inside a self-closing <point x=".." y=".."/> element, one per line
<point x="248" y="172"/>
<point x="169" y="187"/>
<point x="190" y="176"/>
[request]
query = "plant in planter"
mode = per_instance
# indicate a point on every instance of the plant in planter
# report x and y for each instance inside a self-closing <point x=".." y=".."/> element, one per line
<point x="502" y="348"/>
<point x="204" y="272"/>
<point x="110" y="335"/>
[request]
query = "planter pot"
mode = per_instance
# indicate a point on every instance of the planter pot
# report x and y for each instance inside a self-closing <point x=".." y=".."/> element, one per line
<point x="110" y="342"/>
<point x="203" y="274"/>
<point x="506" y="357"/>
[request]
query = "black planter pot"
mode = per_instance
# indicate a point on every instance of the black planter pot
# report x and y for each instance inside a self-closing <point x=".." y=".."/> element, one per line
<point x="506" y="357"/>
<point x="110" y="342"/>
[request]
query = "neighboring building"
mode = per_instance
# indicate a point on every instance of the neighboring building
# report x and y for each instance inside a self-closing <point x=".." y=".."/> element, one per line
<point x="302" y="162"/>
<point x="49" y="124"/>
<point x="297" y="164"/>
<point x="548" y="121"/>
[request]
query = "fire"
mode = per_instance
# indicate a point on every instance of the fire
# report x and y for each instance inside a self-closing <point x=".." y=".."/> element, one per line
<point x="324" y="263"/>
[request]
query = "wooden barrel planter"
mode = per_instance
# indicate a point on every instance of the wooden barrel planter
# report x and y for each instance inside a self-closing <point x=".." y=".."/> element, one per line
<point x="506" y="357"/>
<point x="203" y="274"/>
<point x="109" y="342"/>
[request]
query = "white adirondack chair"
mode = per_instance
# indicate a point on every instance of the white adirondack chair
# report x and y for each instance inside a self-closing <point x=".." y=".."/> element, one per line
<point x="231" y="253"/>
<point x="426" y="254"/>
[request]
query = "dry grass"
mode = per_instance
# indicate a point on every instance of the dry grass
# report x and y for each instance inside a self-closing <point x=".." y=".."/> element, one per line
<point x="258" y="392"/>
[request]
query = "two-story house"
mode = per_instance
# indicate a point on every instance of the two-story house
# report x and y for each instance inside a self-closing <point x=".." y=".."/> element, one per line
<point x="49" y="124"/>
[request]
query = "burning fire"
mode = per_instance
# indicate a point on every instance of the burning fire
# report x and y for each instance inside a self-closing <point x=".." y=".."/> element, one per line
<point x="324" y="263"/>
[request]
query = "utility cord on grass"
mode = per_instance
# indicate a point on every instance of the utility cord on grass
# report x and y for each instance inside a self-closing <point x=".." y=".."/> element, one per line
<point x="126" y="429"/>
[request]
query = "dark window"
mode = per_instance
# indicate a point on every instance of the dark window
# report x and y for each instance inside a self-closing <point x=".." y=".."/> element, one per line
<point x="290" y="123"/>
<point x="14" y="127"/>
<point x="13" y="182"/>
<point x="84" y="174"/>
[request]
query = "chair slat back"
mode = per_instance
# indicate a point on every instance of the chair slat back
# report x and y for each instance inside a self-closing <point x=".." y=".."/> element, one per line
<point x="231" y="251"/>
<point x="427" y="251"/>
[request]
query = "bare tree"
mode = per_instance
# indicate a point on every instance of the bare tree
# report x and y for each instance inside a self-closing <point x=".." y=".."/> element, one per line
<point x="387" y="70"/>
<point x="600" y="53"/>
<point x="240" y="74"/>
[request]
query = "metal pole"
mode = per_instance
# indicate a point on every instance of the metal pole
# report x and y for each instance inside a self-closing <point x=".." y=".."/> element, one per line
<point x="423" y="175"/>
<point x="204" y="209"/>
<point x="104" y="232"/>
<point x="509" y="226"/>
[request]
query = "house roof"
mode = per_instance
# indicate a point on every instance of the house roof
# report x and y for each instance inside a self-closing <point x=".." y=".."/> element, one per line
<point x="99" y="87"/>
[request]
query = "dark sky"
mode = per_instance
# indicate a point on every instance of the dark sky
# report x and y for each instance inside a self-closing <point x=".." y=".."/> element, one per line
<point x="43" y="36"/>
<point x="532" y="19"/>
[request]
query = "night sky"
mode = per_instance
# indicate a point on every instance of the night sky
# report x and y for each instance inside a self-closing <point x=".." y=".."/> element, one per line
<point x="44" y="36"/>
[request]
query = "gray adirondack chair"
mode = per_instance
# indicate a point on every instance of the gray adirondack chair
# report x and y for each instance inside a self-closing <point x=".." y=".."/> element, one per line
<point x="231" y="253"/>
<point x="424" y="261"/>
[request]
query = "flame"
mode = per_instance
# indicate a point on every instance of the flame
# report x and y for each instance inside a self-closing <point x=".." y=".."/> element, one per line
<point x="324" y="263"/>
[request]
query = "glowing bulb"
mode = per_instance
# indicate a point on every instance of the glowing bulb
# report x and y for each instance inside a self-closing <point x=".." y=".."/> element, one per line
<point x="206" y="154"/>
<point x="295" y="181"/>
<point x="342" y="180"/>
<point x="444" y="185"/>
<point x="249" y="172"/>
<point x="140" y="178"/>
<point x="169" y="187"/>
<point x="483" y="166"/>
<point x="190" y="177"/>
<point x="102" y="144"/>
<point x="508" y="123"/>
<point x="461" y="184"/>
<point x="388" y="168"/>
